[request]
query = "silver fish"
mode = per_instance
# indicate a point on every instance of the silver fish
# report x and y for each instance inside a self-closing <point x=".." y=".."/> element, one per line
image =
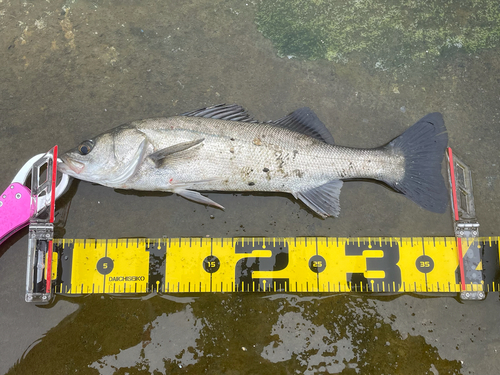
<point x="222" y="148"/>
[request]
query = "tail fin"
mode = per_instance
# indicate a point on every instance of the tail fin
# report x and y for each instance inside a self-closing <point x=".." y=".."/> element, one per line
<point x="423" y="146"/>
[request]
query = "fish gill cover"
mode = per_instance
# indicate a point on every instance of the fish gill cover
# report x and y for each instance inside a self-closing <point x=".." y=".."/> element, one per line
<point x="391" y="33"/>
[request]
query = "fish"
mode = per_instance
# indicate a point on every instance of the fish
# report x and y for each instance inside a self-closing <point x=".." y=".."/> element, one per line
<point x="223" y="148"/>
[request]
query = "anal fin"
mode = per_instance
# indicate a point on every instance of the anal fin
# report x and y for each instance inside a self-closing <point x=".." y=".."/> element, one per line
<point x="323" y="199"/>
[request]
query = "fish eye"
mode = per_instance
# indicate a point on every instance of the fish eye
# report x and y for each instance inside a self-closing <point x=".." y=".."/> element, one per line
<point x="86" y="147"/>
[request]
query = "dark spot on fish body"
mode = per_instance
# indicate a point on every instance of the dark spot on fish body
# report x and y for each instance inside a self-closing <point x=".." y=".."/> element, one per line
<point x="251" y="183"/>
<point x="232" y="139"/>
<point x="265" y="170"/>
<point x="298" y="173"/>
<point x="245" y="172"/>
<point x="280" y="159"/>
<point x="257" y="141"/>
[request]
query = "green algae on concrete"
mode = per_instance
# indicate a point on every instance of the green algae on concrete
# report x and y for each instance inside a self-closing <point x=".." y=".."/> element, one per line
<point x="390" y="33"/>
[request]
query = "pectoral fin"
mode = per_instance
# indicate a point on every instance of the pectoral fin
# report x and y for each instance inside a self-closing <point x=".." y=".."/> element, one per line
<point x="197" y="197"/>
<point x="324" y="199"/>
<point x="159" y="156"/>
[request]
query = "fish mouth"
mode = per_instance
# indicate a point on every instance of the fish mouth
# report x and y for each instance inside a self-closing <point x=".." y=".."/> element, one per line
<point x="71" y="165"/>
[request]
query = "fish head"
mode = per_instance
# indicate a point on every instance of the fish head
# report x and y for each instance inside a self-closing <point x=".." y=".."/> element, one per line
<point x="109" y="159"/>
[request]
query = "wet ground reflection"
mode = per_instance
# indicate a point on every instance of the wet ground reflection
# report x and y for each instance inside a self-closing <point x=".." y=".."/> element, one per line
<point x="231" y="334"/>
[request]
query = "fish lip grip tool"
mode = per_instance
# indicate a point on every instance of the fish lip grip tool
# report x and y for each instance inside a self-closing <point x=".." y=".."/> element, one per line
<point x="16" y="206"/>
<point x="20" y="206"/>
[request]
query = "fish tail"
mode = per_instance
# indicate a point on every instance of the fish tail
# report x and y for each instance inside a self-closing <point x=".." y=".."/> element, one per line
<point x="423" y="146"/>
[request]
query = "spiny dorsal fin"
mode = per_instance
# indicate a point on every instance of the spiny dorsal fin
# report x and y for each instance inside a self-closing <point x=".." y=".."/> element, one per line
<point x="231" y="112"/>
<point x="305" y="121"/>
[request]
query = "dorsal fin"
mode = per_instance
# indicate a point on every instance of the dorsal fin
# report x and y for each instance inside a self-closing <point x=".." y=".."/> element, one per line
<point x="231" y="112"/>
<point x="305" y="121"/>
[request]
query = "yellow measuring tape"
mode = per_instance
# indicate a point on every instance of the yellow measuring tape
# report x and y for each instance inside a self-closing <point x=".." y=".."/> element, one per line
<point x="304" y="264"/>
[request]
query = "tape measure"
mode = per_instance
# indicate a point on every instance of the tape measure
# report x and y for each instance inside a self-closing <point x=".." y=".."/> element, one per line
<point x="304" y="264"/>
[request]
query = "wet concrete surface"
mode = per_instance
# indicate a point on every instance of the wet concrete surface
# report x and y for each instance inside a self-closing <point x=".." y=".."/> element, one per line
<point x="73" y="69"/>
